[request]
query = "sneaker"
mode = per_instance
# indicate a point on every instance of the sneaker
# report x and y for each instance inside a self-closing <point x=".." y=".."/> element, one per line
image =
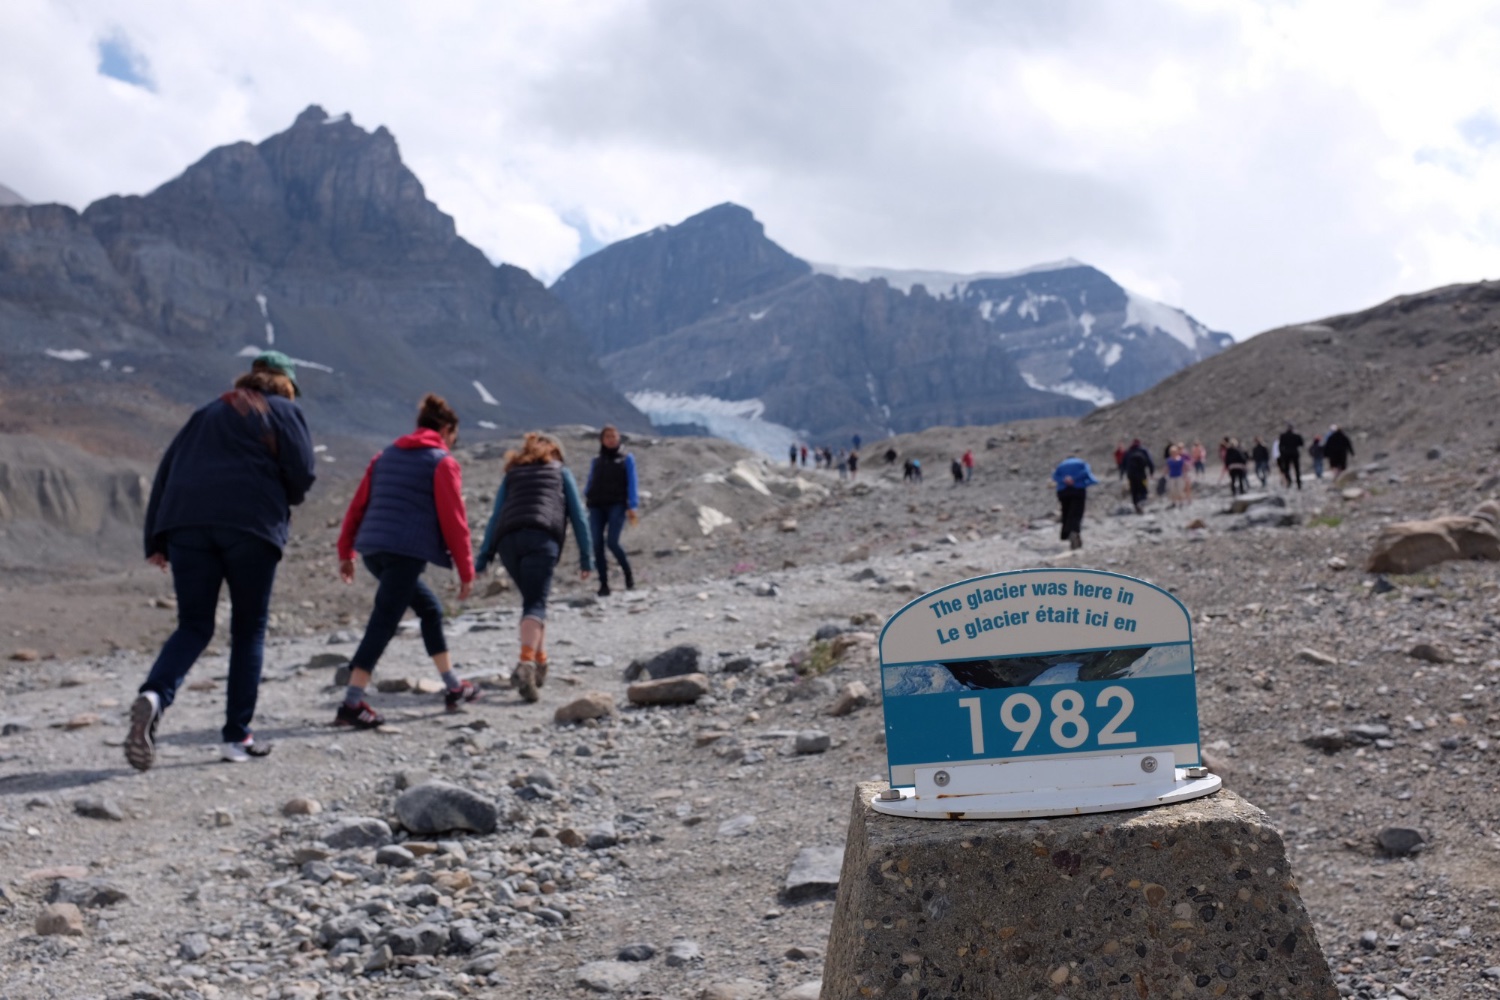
<point x="360" y="716"/>
<point x="466" y="691"/>
<point x="241" y="752"/>
<point x="140" y="744"/>
<point x="525" y="680"/>
<point x="603" y="590"/>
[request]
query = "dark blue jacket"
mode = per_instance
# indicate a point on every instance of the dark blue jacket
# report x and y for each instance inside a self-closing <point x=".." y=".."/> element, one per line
<point x="243" y="461"/>
<point x="411" y="503"/>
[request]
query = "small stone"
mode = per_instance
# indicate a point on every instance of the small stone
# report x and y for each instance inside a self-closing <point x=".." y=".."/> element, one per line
<point x="601" y="836"/>
<point x="380" y="959"/>
<point x="811" y="741"/>
<point x="360" y="831"/>
<point x="222" y="816"/>
<point x="589" y="705"/>
<point x="325" y="661"/>
<point x="395" y="856"/>
<point x="570" y="837"/>
<point x="788" y="525"/>
<point x="464" y="936"/>
<point x="1337" y="563"/>
<point x="98" y="807"/>
<point x="1308" y="655"/>
<point x="803" y="953"/>
<point x="90" y="893"/>
<point x="682" y="952"/>
<point x="393" y="685"/>
<point x="737" y="826"/>
<point x="811" y="990"/>
<point x="1369" y="940"/>
<point x="193" y="946"/>
<point x="82" y="720"/>
<point x="637" y="953"/>
<point x="411" y="779"/>
<point x="429" y="685"/>
<point x="854" y="697"/>
<point x="735" y="989"/>
<point x="25" y="655"/>
<point x="681" y="690"/>
<point x="301" y="807"/>
<point x="607" y="977"/>
<point x="1400" y="841"/>
<point x="438" y="807"/>
<point x="60" y="919"/>
<point x="1428" y="652"/>
<point x="814" y="874"/>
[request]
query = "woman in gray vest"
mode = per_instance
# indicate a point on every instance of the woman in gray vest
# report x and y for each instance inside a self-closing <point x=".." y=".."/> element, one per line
<point x="536" y="500"/>
<point x="408" y="512"/>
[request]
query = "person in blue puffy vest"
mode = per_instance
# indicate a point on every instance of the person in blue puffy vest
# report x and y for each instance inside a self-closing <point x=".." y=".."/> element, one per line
<point x="1072" y="478"/>
<point x="408" y="512"/>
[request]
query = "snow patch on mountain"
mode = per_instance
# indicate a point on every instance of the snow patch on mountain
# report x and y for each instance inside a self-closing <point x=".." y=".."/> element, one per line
<point x="1147" y="313"/>
<point x="737" y="420"/>
<point x="1086" y="391"/>
<point x="939" y="283"/>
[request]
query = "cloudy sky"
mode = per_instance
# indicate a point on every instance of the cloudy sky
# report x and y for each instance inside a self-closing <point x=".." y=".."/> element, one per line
<point x="1255" y="162"/>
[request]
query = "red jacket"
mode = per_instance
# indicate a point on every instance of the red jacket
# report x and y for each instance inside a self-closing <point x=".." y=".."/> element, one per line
<point x="448" y="498"/>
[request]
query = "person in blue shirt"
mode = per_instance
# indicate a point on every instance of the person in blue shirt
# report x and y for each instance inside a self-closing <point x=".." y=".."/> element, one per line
<point x="536" y="501"/>
<point x="612" y="495"/>
<point x="1073" y="477"/>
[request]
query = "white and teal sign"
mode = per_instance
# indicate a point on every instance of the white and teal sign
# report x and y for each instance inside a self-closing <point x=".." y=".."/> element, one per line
<point x="1035" y="666"/>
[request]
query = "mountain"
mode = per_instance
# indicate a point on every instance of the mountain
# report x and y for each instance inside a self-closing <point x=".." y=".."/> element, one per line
<point x="711" y="323"/>
<point x="9" y="197"/>
<point x="318" y="242"/>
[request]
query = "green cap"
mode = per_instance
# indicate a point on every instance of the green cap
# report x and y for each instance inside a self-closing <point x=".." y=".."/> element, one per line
<point x="275" y="361"/>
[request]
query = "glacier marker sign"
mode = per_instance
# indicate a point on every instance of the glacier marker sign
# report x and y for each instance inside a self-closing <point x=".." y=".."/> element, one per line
<point x="1028" y="692"/>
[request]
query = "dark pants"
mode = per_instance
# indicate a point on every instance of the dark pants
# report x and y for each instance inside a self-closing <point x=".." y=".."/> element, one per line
<point x="1238" y="483"/>
<point x="1072" y="499"/>
<point x="1262" y="470"/>
<point x="401" y="587"/>
<point x="1291" y="466"/>
<point x="202" y="560"/>
<point x="605" y="524"/>
<point x="1139" y="491"/>
<point x="529" y="556"/>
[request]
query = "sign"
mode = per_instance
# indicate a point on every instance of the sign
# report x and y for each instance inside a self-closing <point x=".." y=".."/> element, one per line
<point x="1035" y="666"/>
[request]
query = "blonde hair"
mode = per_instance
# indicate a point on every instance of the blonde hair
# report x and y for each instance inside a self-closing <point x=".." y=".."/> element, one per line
<point x="536" y="448"/>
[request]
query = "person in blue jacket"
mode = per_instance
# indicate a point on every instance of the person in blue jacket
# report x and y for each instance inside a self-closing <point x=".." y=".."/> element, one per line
<point x="536" y="501"/>
<point x="219" y="512"/>
<point x="1073" y="477"/>
<point x="612" y="495"/>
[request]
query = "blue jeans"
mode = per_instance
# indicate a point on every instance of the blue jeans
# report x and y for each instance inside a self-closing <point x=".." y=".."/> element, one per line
<point x="604" y="526"/>
<point x="529" y="556"/>
<point x="202" y="560"/>
<point x="401" y="587"/>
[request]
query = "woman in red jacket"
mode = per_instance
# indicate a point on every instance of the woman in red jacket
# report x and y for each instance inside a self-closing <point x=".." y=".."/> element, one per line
<point x="408" y="512"/>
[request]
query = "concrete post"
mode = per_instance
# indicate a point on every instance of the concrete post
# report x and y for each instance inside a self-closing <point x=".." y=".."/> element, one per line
<point x="1190" y="900"/>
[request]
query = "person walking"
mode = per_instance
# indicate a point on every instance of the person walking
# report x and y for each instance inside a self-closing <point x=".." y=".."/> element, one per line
<point x="1315" y="452"/>
<point x="1177" y="466"/>
<point x="1234" y="461"/>
<point x="968" y="460"/>
<point x="1138" y="472"/>
<point x="1338" y="449"/>
<point x="853" y="465"/>
<point x="791" y="458"/>
<point x="536" y="502"/>
<point x="407" y="512"/>
<point x="956" y="467"/>
<point x="890" y="456"/>
<point x="220" y="512"/>
<point x="804" y="456"/>
<point x="1261" y="456"/>
<point x="1120" y="458"/>
<point x="1073" y="477"/>
<point x="1290" y="444"/>
<point x="1200" y="457"/>
<point x="612" y="495"/>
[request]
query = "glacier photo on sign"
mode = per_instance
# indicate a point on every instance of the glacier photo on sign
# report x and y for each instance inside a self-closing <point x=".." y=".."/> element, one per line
<point x="1037" y="664"/>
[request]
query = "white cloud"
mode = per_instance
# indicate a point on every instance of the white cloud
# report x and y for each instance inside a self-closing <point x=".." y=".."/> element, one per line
<point x="1256" y="163"/>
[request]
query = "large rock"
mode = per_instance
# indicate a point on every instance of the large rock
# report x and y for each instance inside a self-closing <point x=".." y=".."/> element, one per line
<point x="814" y="874"/>
<point x="682" y="690"/>
<point x="1410" y="546"/>
<point x="607" y="977"/>
<point x="589" y="705"/>
<point x="438" y="807"/>
<point x="360" y="831"/>
<point x="423" y="939"/>
<point x="675" y="662"/>
<point x="1170" y="901"/>
<point x="60" y="919"/>
<point x="88" y="893"/>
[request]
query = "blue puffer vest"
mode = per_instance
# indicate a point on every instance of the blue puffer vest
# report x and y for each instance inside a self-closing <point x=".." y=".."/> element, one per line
<point x="402" y="516"/>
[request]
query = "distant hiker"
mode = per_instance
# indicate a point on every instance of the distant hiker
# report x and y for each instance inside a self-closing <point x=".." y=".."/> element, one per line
<point x="1261" y="456"/>
<point x="853" y="464"/>
<point x="533" y="507"/>
<point x="1315" y="452"/>
<point x="890" y="456"/>
<point x="1223" y="457"/>
<point x="1338" y="449"/>
<point x="1290" y="444"/>
<point x="908" y="470"/>
<point x="968" y="460"/>
<point x="1073" y="477"/>
<point x="804" y="456"/>
<point x="957" y="468"/>
<point x="612" y="495"/>
<point x="791" y="458"/>
<point x="916" y="469"/>
<point x="1138" y="472"/>
<point x="219" y="513"/>
<point x="856" y="441"/>
<point x="1177" y="466"/>
<point x="843" y="465"/>
<point x="1120" y="458"/>
<point x="1199" y="455"/>
<point x="407" y="512"/>
<point x="1234" y="461"/>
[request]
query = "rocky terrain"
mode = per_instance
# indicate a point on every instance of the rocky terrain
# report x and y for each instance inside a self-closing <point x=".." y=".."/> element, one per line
<point x="648" y="852"/>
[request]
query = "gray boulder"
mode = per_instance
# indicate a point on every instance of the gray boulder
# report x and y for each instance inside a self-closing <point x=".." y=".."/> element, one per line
<point x="438" y="807"/>
<point x="675" y="662"/>
<point x="86" y="893"/>
<point x="814" y="874"/>
<point x="361" y="831"/>
<point x="683" y="690"/>
<point x="423" y="939"/>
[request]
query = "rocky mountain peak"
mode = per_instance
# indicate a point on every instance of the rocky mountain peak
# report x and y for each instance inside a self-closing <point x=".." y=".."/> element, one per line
<point x="9" y="197"/>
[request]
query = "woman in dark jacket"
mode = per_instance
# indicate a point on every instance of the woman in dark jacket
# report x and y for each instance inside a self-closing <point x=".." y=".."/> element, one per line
<point x="612" y="495"/>
<point x="219" y="512"/>
<point x="533" y="506"/>
<point x="408" y="512"/>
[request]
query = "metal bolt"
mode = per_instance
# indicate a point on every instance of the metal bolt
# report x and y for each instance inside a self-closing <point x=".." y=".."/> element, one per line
<point x="1148" y="764"/>
<point x="941" y="779"/>
<point x="890" y="795"/>
<point x="1195" y="772"/>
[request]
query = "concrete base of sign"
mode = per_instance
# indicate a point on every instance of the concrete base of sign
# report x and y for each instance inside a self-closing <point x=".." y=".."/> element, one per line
<point x="1185" y="900"/>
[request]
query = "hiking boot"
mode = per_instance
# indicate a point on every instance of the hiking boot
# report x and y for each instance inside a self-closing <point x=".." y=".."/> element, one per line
<point x="525" y="680"/>
<point x="1075" y="541"/>
<point x="243" y="751"/>
<point x="603" y="590"/>
<point x="541" y="672"/>
<point x="140" y="743"/>
<point x="466" y="691"/>
<point x="629" y="580"/>
<point x="360" y="716"/>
